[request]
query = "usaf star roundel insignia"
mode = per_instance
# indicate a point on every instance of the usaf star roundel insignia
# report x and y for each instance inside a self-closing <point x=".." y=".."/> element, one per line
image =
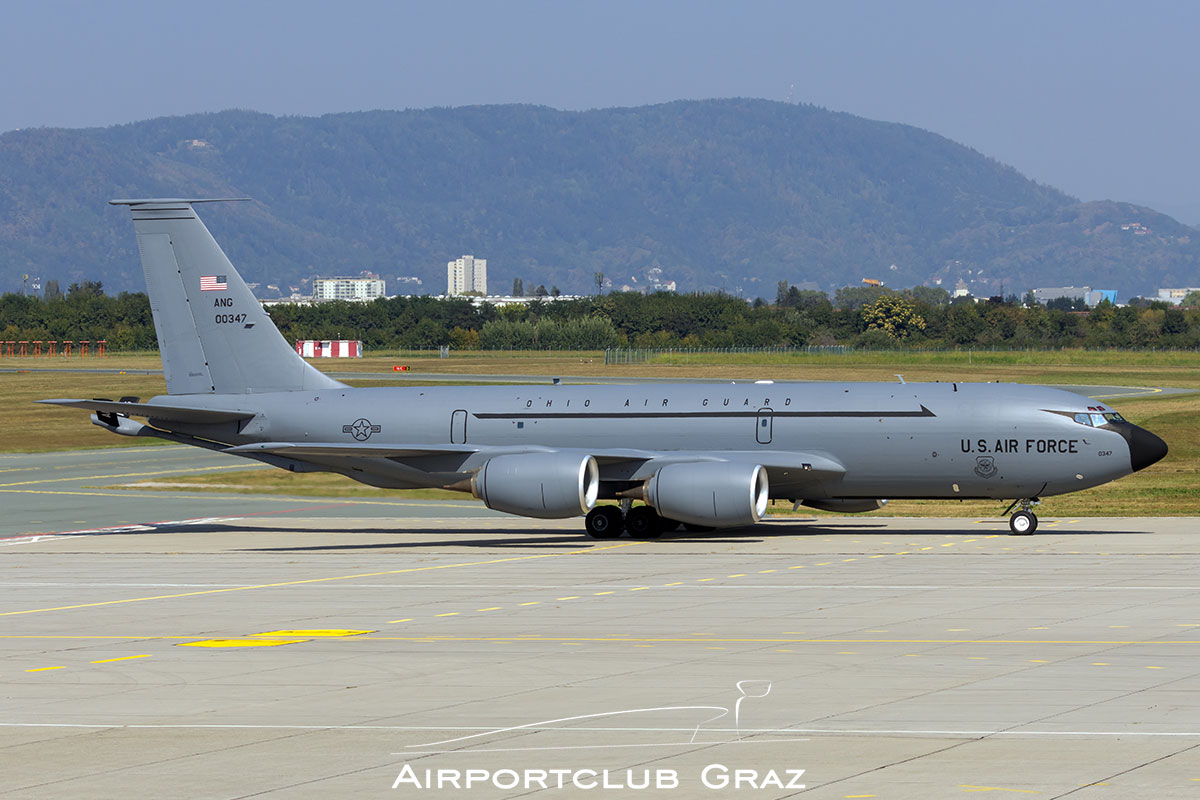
<point x="361" y="429"/>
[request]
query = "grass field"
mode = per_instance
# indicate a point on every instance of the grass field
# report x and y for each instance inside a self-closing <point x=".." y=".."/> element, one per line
<point x="1169" y="487"/>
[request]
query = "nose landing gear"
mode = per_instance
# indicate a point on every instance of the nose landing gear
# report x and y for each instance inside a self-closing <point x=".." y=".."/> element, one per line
<point x="1023" y="522"/>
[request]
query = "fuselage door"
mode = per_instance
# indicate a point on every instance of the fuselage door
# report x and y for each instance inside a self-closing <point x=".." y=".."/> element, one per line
<point x="763" y="425"/>
<point x="458" y="427"/>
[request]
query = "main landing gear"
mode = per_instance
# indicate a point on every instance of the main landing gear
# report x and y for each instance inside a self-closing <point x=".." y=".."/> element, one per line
<point x="1023" y="522"/>
<point x="643" y="522"/>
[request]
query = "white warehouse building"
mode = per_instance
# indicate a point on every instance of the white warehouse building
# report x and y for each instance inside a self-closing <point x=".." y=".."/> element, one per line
<point x="467" y="274"/>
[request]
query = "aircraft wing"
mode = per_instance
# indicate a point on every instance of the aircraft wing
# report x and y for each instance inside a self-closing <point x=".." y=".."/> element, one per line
<point x="784" y="467"/>
<point x="361" y="450"/>
<point x="154" y="410"/>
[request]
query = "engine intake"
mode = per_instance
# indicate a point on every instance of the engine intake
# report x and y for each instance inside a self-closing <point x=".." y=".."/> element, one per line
<point x="543" y="485"/>
<point x="719" y="494"/>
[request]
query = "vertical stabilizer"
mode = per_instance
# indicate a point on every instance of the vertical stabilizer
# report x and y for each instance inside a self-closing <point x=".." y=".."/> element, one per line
<point x="213" y="334"/>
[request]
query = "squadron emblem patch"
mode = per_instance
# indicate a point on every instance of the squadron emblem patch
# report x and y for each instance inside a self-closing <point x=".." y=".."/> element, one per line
<point x="985" y="466"/>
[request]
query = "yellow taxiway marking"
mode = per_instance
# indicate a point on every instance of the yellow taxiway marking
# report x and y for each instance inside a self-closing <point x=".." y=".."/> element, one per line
<point x="43" y="669"/>
<point x="406" y="619"/>
<point x="737" y="575"/>
<point x="570" y="597"/>
<point x="314" y="633"/>
<point x="531" y="603"/>
<point x="242" y="642"/>
<point x="968" y="788"/>
<point x="122" y="658"/>
<point x="493" y="608"/>
<point x="600" y="593"/>
<point x="319" y="580"/>
<point x="447" y="614"/>
<point x="760" y="572"/>
<point x="639" y="588"/>
<point x="680" y="583"/>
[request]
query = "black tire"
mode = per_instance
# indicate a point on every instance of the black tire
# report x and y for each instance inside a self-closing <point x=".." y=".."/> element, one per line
<point x="643" y="522"/>
<point x="1023" y="523"/>
<point x="604" y="522"/>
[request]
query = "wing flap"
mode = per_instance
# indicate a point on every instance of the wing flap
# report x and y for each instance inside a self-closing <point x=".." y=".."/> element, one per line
<point x="154" y="410"/>
<point x="363" y="450"/>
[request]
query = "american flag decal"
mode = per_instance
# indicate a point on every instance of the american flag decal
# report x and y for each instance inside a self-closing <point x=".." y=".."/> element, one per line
<point x="213" y="283"/>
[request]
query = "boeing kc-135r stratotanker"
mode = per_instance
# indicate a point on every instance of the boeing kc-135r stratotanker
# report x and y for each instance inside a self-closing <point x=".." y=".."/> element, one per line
<point x="701" y="455"/>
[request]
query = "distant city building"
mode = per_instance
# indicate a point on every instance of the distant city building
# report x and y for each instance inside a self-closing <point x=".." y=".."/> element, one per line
<point x="1175" y="296"/>
<point x="1055" y="292"/>
<point x="1090" y="297"/>
<point x="348" y="288"/>
<point x="961" y="289"/>
<point x="1095" y="297"/>
<point x="467" y="274"/>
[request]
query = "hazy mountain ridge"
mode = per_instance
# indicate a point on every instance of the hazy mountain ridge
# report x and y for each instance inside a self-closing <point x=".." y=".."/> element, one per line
<point x="723" y="193"/>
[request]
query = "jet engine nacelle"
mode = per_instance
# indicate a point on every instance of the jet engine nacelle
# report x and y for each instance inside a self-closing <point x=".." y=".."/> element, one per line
<point x="544" y="485"/>
<point x="846" y="505"/>
<point x="719" y="494"/>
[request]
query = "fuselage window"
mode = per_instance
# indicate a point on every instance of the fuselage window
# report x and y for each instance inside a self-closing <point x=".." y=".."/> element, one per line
<point x="1083" y="419"/>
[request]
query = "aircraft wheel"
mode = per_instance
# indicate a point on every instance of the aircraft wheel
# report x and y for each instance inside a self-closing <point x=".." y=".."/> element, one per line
<point x="1022" y="523"/>
<point x="643" y="522"/>
<point x="604" y="522"/>
<point x="694" y="528"/>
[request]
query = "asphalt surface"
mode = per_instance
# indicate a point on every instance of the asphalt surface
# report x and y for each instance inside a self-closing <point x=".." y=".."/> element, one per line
<point x="306" y="647"/>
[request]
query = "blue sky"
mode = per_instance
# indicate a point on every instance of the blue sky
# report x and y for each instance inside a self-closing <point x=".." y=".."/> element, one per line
<point x="1097" y="98"/>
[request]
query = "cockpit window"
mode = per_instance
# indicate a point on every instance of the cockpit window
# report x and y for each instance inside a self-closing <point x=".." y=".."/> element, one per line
<point x="1095" y="420"/>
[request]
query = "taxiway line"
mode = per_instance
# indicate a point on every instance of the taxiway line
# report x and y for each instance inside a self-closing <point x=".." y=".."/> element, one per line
<point x="432" y="567"/>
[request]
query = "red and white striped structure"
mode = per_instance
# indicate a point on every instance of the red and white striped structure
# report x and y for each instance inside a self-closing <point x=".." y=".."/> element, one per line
<point x="327" y="348"/>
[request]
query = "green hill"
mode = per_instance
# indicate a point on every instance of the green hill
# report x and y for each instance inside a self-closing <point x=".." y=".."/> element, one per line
<point x="733" y="194"/>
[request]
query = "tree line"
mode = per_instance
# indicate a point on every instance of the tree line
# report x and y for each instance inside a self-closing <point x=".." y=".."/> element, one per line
<point x="863" y="317"/>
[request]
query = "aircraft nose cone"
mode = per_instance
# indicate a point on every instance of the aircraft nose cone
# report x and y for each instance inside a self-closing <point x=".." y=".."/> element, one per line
<point x="1144" y="447"/>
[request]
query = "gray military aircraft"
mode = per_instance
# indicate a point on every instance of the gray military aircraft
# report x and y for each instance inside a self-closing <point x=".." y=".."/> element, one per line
<point x="701" y="455"/>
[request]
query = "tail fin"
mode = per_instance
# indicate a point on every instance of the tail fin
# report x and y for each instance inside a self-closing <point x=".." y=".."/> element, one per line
<point x="213" y="335"/>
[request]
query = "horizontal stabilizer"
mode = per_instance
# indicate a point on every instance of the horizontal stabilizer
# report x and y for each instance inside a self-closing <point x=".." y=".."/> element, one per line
<point x="202" y="416"/>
